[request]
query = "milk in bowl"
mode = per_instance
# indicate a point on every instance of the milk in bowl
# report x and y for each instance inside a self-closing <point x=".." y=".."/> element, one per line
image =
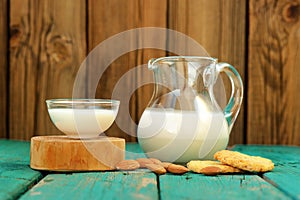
<point x="87" y="123"/>
<point x="84" y="118"/>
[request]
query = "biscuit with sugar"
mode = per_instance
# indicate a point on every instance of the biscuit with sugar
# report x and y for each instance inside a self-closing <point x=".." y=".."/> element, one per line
<point x="244" y="161"/>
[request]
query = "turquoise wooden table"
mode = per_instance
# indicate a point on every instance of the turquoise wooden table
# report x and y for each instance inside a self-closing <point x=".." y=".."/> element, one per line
<point x="19" y="181"/>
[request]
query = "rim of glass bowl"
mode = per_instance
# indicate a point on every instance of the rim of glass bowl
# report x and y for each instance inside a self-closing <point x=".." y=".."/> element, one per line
<point x="82" y="103"/>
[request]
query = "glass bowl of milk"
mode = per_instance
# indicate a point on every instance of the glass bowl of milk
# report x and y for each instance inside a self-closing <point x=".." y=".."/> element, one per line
<point x="82" y="118"/>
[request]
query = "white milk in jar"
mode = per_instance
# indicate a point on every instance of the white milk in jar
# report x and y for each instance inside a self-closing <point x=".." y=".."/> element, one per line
<point x="180" y="136"/>
<point x="86" y="122"/>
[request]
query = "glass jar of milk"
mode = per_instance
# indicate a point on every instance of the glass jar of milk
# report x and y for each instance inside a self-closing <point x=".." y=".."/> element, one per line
<point x="184" y="120"/>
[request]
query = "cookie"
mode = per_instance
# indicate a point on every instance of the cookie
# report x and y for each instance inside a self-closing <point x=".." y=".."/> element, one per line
<point x="207" y="166"/>
<point x="244" y="161"/>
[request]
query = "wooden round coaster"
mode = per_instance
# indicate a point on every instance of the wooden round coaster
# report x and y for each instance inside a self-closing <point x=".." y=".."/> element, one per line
<point x="61" y="153"/>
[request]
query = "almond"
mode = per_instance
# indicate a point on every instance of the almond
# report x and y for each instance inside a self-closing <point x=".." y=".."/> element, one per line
<point x="143" y="162"/>
<point x="166" y="164"/>
<point x="156" y="161"/>
<point x="177" y="169"/>
<point x="157" y="169"/>
<point x="211" y="171"/>
<point x="128" y="165"/>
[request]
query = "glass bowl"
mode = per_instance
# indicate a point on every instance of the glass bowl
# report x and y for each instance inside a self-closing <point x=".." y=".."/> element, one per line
<point x="82" y="118"/>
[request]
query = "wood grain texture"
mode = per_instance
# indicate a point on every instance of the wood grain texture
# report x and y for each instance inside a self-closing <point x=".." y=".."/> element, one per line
<point x="285" y="177"/>
<point x="3" y="68"/>
<point x="286" y="173"/>
<point x="190" y="186"/>
<point x="15" y="173"/>
<point x="281" y="183"/>
<point x="109" y="185"/>
<point x="114" y="18"/>
<point x="60" y="153"/>
<point x="48" y="42"/>
<point x="282" y="176"/>
<point x="47" y="45"/>
<point x="273" y="71"/>
<point x="220" y="27"/>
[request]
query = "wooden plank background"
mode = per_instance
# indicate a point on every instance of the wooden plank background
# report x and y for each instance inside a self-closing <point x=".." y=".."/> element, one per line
<point x="48" y="40"/>
<point x="273" y="72"/>
<point x="47" y="45"/>
<point x="3" y="68"/>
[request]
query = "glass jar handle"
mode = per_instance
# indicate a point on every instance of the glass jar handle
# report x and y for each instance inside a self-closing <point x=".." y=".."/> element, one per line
<point x="235" y="101"/>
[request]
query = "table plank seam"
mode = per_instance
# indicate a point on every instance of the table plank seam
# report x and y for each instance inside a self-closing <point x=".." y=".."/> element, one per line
<point x="158" y="186"/>
<point x="278" y="187"/>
